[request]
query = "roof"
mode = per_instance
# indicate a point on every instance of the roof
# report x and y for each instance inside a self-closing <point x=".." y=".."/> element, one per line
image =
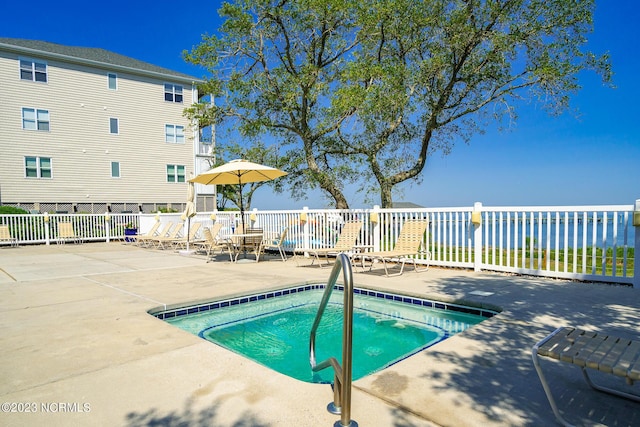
<point x="90" y="56"/>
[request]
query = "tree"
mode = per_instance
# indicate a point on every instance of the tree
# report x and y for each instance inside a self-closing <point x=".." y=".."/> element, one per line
<point x="371" y="89"/>
<point x="257" y="153"/>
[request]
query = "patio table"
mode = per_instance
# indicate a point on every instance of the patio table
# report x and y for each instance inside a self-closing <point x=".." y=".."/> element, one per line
<point x="240" y="242"/>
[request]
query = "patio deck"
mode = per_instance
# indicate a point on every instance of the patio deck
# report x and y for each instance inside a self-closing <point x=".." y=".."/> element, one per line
<point x="76" y="339"/>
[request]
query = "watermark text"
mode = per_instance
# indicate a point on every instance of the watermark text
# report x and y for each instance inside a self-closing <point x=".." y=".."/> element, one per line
<point x="45" y="407"/>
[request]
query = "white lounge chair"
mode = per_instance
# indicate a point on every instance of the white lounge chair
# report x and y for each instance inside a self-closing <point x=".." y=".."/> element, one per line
<point x="212" y="242"/>
<point x="136" y="239"/>
<point x="175" y="234"/>
<point x="406" y="248"/>
<point x="589" y="350"/>
<point x="345" y="243"/>
<point x="182" y="241"/>
<point x="147" y="239"/>
<point x="277" y="243"/>
<point x="6" y="237"/>
<point x="66" y="233"/>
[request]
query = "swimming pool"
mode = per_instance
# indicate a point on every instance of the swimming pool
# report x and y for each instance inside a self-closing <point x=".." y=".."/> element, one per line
<point x="272" y="328"/>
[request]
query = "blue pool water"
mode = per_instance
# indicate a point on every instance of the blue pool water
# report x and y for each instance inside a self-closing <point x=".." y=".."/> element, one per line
<point x="273" y="328"/>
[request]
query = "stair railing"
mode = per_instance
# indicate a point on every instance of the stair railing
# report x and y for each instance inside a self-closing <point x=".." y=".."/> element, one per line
<point x="342" y="385"/>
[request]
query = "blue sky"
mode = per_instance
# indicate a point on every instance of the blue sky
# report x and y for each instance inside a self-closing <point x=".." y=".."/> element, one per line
<point x="591" y="157"/>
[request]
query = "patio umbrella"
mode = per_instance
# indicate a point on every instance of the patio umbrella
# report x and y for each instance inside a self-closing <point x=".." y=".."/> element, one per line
<point x="239" y="172"/>
<point x="189" y="209"/>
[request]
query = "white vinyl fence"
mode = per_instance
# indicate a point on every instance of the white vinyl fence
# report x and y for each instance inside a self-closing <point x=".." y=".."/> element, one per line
<point x="591" y="243"/>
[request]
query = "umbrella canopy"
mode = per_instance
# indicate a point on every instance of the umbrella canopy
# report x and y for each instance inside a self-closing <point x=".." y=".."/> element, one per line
<point x="238" y="172"/>
<point x="190" y="208"/>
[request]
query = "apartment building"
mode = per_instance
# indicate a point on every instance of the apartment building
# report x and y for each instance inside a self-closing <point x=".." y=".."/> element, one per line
<point x="88" y="130"/>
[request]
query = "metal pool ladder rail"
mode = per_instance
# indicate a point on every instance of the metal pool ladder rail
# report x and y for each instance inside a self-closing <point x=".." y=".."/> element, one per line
<point x="342" y="385"/>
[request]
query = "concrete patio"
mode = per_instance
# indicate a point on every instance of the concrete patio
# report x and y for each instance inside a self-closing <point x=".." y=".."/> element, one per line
<point x="78" y="347"/>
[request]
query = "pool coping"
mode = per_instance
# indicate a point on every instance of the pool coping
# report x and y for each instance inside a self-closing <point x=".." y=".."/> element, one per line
<point x="174" y="310"/>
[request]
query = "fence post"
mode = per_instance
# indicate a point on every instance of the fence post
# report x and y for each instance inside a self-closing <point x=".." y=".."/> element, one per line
<point x="304" y="219"/>
<point x="45" y="218"/>
<point x="476" y="220"/>
<point x="374" y="219"/>
<point x="253" y="217"/>
<point x="107" y="226"/>
<point x="636" y="250"/>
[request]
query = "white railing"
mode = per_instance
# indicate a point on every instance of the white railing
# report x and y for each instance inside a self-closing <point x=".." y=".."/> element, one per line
<point x="43" y="228"/>
<point x="584" y="243"/>
<point x="592" y="243"/>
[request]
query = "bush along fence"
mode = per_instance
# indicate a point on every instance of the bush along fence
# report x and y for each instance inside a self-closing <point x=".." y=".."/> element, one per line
<point x="590" y="243"/>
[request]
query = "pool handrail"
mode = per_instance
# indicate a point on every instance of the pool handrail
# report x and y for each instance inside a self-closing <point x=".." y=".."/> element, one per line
<point x="342" y="385"/>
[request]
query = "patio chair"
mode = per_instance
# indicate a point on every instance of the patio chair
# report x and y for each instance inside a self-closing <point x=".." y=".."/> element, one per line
<point x="593" y="350"/>
<point x="5" y="236"/>
<point x="147" y="240"/>
<point x="175" y="234"/>
<point x="407" y="246"/>
<point x="66" y="233"/>
<point x="182" y="241"/>
<point x="212" y="242"/>
<point x="345" y="243"/>
<point x="277" y="243"/>
<point x="136" y="239"/>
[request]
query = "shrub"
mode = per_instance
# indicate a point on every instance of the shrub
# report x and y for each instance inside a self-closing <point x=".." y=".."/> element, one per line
<point x="165" y="209"/>
<point x="10" y="210"/>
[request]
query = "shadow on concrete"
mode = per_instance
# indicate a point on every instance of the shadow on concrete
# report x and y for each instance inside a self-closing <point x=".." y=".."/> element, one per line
<point x="188" y="417"/>
<point x="501" y="380"/>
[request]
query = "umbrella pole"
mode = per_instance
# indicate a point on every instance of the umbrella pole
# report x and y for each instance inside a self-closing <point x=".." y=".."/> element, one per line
<point x="241" y="210"/>
<point x="244" y="230"/>
<point x="188" y="231"/>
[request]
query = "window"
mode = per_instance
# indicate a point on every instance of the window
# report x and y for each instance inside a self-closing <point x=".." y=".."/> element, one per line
<point x="174" y="133"/>
<point x="113" y="81"/>
<point x="113" y="125"/>
<point x="37" y="167"/>
<point x="115" y="169"/>
<point x="34" y="119"/>
<point x="32" y="70"/>
<point x="175" y="173"/>
<point x="172" y="93"/>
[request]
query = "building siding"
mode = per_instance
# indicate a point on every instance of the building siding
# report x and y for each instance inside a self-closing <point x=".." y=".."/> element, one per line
<point x="79" y="143"/>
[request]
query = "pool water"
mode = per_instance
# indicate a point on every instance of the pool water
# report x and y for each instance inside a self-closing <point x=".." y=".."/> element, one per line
<point x="275" y="331"/>
<point x="281" y="340"/>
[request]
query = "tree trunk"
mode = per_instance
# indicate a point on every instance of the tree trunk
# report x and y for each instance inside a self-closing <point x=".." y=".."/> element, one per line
<point x="386" y="199"/>
<point x="324" y="181"/>
<point x="341" y="201"/>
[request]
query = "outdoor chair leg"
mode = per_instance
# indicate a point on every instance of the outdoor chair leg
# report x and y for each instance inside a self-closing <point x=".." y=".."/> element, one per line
<point x="282" y="254"/>
<point x="316" y="257"/>
<point x="298" y="254"/>
<point x="386" y="271"/>
<point x="419" y="270"/>
<point x="326" y="258"/>
<point x="603" y="389"/>
<point x="547" y="390"/>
